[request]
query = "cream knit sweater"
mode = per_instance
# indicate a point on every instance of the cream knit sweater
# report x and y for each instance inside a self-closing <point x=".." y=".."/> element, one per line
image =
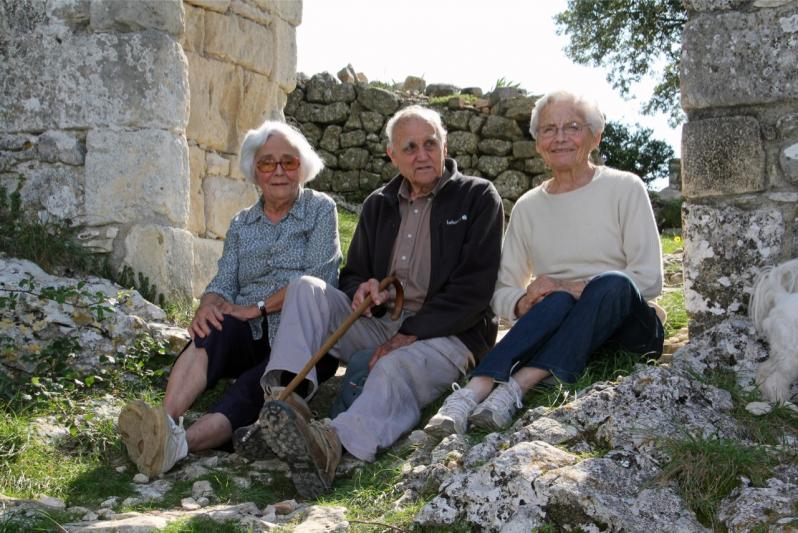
<point x="606" y="225"/>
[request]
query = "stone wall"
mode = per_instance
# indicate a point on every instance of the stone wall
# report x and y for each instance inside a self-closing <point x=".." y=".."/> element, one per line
<point x="345" y="121"/>
<point x="739" y="149"/>
<point x="126" y="117"/>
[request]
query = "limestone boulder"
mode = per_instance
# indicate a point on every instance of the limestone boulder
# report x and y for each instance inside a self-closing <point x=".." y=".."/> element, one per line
<point x="335" y="113"/>
<point x="61" y="146"/>
<point x="758" y="46"/>
<point x="788" y="159"/>
<point x="223" y="199"/>
<point x="241" y="41"/>
<point x="345" y="180"/>
<point x="771" y="506"/>
<point x="261" y="99"/>
<point x="456" y="120"/>
<point x="722" y="156"/>
<point x="136" y="176"/>
<point x="194" y="35"/>
<point x="164" y="255"/>
<point x="125" y="79"/>
<point x="284" y="54"/>
<point x="524" y="149"/>
<point x="206" y="256"/>
<point x="378" y="100"/>
<point x="517" y="107"/>
<point x="372" y="121"/>
<point x="220" y="6"/>
<point x="353" y="138"/>
<point x="414" y="84"/>
<point x="124" y="16"/>
<point x="495" y="147"/>
<point x="331" y="139"/>
<point x="197" y="169"/>
<point x="251" y="11"/>
<point x="49" y="191"/>
<point x="462" y="142"/>
<point x="323" y="89"/>
<point x="290" y="12"/>
<point x="511" y="184"/>
<point x="501" y="128"/>
<point x="441" y="89"/>
<point x="353" y="159"/>
<point x="216" y="94"/>
<point x="492" y="165"/>
<point x="724" y="248"/>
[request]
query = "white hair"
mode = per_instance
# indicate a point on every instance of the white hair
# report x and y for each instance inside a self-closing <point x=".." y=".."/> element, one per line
<point x="587" y="106"/>
<point x="430" y="116"/>
<point x="310" y="164"/>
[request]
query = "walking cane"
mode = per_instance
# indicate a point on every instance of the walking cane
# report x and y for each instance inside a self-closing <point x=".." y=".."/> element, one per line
<point x="330" y="342"/>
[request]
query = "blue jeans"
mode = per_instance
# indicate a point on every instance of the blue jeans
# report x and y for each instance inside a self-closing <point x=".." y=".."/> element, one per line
<point x="560" y="333"/>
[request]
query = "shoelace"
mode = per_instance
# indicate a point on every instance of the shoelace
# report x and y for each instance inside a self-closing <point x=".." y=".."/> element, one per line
<point x="456" y="402"/>
<point x="498" y="399"/>
<point x="321" y="431"/>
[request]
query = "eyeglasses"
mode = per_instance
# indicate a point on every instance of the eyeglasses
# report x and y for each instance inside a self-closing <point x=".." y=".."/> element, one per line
<point x="288" y="162"/>
<point x="572" y="129"/>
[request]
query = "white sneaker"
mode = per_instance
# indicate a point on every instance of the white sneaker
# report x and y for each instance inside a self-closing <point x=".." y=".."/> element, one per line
<point x="452" y="417"/>
<point x="153" y="440"/>
<point x="497" y="410"/>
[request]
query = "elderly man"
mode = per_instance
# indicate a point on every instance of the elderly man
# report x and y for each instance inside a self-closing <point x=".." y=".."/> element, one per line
<point x="439" y="232"/>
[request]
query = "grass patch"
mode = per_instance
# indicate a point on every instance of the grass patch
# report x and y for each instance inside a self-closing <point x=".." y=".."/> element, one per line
<point x="673" y="303"/>
<point x="347" y="222"/>
<point x="203" y="524"/>
<point x="468" y="99"/>
<point x="706" y="471"/>
<point x="671" y="242"/>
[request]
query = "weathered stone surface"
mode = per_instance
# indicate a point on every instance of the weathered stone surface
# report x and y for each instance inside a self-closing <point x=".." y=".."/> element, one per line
<point x="758" y="47"/>
<point x="164" y="255"/>
<point x="311" y="132"/>
<point x="500" y="94"/>
<point x="261" y="99"/>
<point x="284" y="54"/>
<point x="37" y="321"/>
<point x="347" y="74"/>
<point x="788" y="159"/>
<point x="492" y="165"/>
<point x="251" y="11"/>
<point x="288" y="10"/>
<point x="722" y="156"/>
<point x="369" y="181"/>
<point x="61" y="146"/>
<point x="136" y="176"/>
<point x="125" y="16"/>
<point x="345" y="180"/>
<point x="353" y="158"/>
<point x="511" y="184"/>
<point x="378" y="100"/>
<point x="131" y="79"/>
<point x="371" y="121"/>
<point x="324" y="89"/>
<point x="456" y="120"/>
<point x="353" y="138"/>
<point x="223" y="199"/>
<point x="196" y="212"/>
<point x="756" y="508"/>
<point x="49" y="191"/>
<point x="535" y="166"/>
<point x="613" y="492"/>
<point x="214" y="5"/>
<point x="441" y="89"/>
<point x="216" y="93"/>
<point x="216" y="165"/>
<point x="724" y="248"/>
<point x="240" y="41"/>
<point x="335" y="113"/>
<point x="495" y="147"/>
<point x="524" y="149"/>
<point x="501" y="128"/>
<point x="323" y="518"/>
<point x="475" y="123"/>
<point x="462" y="142"/>
<point x="331" y="140"/>
<point x="517" y="107"/>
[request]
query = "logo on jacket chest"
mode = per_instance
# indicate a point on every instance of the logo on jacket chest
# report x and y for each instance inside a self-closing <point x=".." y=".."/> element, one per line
<point x="452" y="222"/>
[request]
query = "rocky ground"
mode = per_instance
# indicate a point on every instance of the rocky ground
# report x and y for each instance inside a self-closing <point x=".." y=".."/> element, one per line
<point x="593" y="463"/>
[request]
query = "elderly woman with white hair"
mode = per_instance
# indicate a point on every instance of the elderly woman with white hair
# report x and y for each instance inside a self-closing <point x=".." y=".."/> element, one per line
<point x="581" y="259"/>
<point x="289" y="232"/>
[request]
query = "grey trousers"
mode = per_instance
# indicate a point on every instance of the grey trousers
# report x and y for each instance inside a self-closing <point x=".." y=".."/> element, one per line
<point x="398" y="386"/>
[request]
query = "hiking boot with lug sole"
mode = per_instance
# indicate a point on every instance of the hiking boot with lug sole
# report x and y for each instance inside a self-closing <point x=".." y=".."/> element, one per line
<point x="311" y="450"/>
<point x="153" y="441"/>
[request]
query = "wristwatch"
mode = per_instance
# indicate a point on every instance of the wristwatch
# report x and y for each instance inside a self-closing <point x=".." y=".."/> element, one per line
<point x="262" y="307"/>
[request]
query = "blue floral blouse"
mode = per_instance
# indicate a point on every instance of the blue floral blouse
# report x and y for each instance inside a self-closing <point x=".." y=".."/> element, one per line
<point x="261" y="257"/>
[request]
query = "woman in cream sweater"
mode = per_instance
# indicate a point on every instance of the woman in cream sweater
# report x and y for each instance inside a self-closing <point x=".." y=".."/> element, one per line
<point x="580" y="259"/>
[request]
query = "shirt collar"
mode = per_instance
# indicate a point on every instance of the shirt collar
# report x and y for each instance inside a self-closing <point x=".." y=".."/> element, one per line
<point x="404" y="188"/>
<point x="298" y="210"/>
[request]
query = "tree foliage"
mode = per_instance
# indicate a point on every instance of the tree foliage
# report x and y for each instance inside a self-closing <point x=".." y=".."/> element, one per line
<point x="635" y="151"/>
<point x="634" y="39"/>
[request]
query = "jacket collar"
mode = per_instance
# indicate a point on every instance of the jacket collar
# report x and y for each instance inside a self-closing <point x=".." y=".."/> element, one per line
<point x="391" y="189"/>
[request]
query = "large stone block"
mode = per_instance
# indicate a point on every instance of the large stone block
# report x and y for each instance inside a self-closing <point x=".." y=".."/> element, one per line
<point x="335" y="113"/>
<point x="239" y="40"/>
<point x="492" y="165"/>
<point x="49" y="191"/>
<point x="223" y="199"/>
<point x="725" y="246"/>
<point x="247" y="10"/>
<point x="206" y="255"/>
<point x="722" y="156"/>
<point x="288" y="10"/>
<point x="92" y="80"/>
<point x="737" y="58"/>
<point x="260" y="100"/>
<point x="462" y="142"/>
<point x="219" y="6"/>
<point x="136" y="176"/>
<point x="216" y="93"/>
<point x="788" y="158"/>
<point x="284" y="55"/>
<point x="194" y="36"/>
<point x="378" y="100"/>
<point x="61" y="146"/>
<point x="164" y="255"/>
<point x="511" y="184"/>
<point x="502" y="128"/>
<point x="127" y="16"/>
<point x="323" y="88"/>
<point x="196" y="213"/>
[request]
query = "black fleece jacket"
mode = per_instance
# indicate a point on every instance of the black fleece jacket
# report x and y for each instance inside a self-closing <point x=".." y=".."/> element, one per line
<point x="466" y="225"/>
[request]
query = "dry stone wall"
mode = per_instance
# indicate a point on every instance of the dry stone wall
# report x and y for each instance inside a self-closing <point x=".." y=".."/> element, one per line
<point x="126" y="117"/>
<point x="346" y="120"/>
<point x="739" y="149"/>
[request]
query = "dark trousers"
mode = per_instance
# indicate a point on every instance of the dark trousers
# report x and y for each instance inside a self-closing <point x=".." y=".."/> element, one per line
<point x="560" y="333"/>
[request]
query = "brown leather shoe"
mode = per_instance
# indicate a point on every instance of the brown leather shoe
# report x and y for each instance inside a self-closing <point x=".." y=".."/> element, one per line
<point x="311" y="450"/>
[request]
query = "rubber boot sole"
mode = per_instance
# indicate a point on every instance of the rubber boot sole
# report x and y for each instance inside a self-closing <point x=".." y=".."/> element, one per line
<point x="143" y="430"/>
<point x="288" y="438"/>
<point x="483" y="420"/>
<point x="440" y="429"/>
<point x="249" y="442"/>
